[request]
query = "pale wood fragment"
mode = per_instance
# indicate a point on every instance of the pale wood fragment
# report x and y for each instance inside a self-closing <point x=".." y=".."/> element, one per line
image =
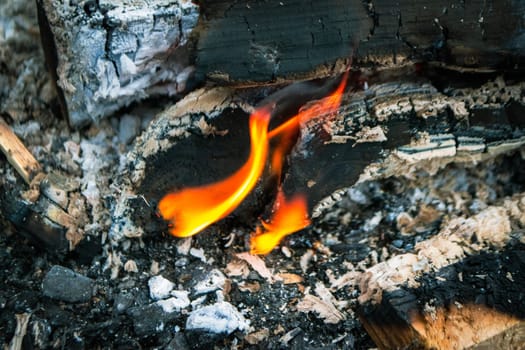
<point x="17" y="154"/>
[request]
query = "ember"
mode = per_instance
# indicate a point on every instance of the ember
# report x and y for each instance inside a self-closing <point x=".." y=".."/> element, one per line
<point x="193" y="209"/>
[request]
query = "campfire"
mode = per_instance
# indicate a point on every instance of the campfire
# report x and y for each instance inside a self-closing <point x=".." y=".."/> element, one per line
<point x="188" y="175"/>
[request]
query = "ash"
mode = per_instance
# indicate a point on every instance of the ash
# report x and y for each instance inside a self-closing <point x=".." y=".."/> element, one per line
<point x="163" y="292"/>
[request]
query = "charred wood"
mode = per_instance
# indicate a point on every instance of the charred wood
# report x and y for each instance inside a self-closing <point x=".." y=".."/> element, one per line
<point x="451" y="293"/>
<point x="390" y="129"/>
<point x="106" y="55"/>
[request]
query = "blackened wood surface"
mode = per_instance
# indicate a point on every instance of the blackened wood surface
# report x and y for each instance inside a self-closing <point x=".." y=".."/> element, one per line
<point x="389" y="129"/>
<point x="263" y="40"/>
<point x="480" y="288"/>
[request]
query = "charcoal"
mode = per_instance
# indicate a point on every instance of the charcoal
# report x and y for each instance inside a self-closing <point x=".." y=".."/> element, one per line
<point x="66" y="285"/>
<point x="150" y="319"/>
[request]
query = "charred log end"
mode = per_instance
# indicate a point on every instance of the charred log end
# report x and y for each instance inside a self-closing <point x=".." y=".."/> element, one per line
<point x="473" y="303"/>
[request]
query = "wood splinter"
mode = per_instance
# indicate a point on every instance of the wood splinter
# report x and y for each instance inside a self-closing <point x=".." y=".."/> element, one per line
<point x="43" y="218"/>
<point x="17" y="154"/>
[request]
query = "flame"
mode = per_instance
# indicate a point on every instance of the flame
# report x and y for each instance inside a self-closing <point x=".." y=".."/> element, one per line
<point x="193" y="209"/>
<point x="327" y="105"/>
<point x="289" y="217"/>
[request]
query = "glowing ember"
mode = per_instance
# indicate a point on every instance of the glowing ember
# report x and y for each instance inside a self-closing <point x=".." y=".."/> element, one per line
<point x="193" y="209"/>
<point x="289" y="217"/>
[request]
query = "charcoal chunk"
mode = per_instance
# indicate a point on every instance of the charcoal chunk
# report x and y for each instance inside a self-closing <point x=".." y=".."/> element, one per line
<point x="66" y="285"/>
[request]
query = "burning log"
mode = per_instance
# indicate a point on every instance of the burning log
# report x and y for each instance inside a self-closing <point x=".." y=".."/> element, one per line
<point x="106" y="55"/>
<point x="390" y="128"/>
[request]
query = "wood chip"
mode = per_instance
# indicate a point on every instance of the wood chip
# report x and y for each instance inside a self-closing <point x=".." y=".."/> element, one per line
<point x="259" y="266"/>
<point x="327" y="311"/>
<point x="21" y="328"/>
<point x="131" y="266"/>
<point x="237" y="267"/>
<point x="305" y="259"/>
<point x="257" y="336"/>
<point x="154" y="268"/>
<point x="349" y="279"/>
<point x="290" y="278"/>
<point x="252" y="287"/>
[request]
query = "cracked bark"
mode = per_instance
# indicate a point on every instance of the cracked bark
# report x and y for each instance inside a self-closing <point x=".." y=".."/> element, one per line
<point x="101" y="68"/>
<point x="309" y="37"/>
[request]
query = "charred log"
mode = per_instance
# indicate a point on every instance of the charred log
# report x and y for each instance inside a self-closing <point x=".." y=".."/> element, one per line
<point x="390" y="129"/>
<point x="446" y="296"/>
<point x="107" y="55"/>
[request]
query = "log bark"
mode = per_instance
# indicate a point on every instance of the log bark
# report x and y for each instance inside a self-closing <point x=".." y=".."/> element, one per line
<point x="262" y="41"/>
<point x="106" y="55"/>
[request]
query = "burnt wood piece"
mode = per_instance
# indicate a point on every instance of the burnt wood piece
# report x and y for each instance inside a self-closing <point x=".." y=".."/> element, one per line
<point x="266" y="40"/>
<point x="107" y="54"/>
<point x="33" y="222"/>
<point x="390" y="129"/>
<point x="17" y="154"/>
<point x="452" y="293"/>
<point x="41" y="210"/>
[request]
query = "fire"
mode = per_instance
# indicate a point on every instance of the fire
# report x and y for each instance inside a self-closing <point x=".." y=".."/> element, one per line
<point x="289" y="217"/>
<point x="193" y="209"/>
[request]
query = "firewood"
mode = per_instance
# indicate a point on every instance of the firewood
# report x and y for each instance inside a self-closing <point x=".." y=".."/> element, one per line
<point x="17" y="154"/>
<point x="390" y="129"/>
<point x="44" y="217"/>
<point x="451" y="293"/>
<point x="106" y="55"/>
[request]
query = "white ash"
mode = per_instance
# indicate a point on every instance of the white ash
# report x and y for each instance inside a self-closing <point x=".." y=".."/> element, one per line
<point x="196" y="303"/>
<point x="160" y="287"/>
<point x="213" y="281"/>
<point x="129" y="127"/>
<point x="199" y="254"/>
<point x="219" y="318"/>
<point x="98" y="158"/>
<point x="357" y="196"/>
<point x="373" y="222"/>
<point x="177" y="302"/>
<point x="184" y="246"/>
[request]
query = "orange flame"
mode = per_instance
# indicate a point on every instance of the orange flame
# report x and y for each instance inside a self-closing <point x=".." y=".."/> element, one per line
<point x="193" y="209"/>
<point x="289" y="217"/>
<point x="327" y="105"/>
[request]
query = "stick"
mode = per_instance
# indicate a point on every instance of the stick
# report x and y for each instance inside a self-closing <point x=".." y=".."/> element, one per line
<point x="17" y="154"/>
